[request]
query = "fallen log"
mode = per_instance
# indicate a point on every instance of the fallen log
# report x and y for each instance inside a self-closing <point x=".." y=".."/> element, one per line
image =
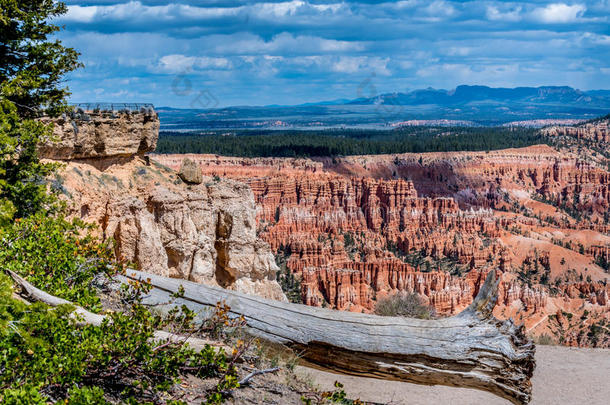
<point x="472" y="349"/>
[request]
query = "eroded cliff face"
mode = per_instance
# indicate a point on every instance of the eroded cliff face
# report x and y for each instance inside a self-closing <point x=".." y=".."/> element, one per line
<point x="200" y="232"/>
<point x="204" y="233"/>
<point x="483" y="179"/>
<point x="358" y="228"/>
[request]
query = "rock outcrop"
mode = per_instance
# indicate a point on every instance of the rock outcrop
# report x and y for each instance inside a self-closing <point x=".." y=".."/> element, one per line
<point x="597" y="131"/>
<point x="100" y="134"/>
<point x="200" y="232"/>
<point x="205" y="234"/>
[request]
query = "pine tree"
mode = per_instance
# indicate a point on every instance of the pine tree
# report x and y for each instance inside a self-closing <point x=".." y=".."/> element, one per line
<point x="32" y="67"/>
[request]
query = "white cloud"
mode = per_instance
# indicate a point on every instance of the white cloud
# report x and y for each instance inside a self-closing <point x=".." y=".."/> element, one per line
<point x="348" y="64"/>
<point x="598" y="39"/>
<point x="494" y="14"/>
<point x="439" y="9"/>
<point x="285" y="43"/>
<point x="458" y="51"/>
<point x="328" y="7"/>
<point x="280" y="9"/>
<point x="559" y="13"/>
<point x="135" y="10"/>
<point x="326" y="43"/>
<point x="405" y="3"/>
<point x="354" y="64"/>
<point x="182" y="63"/>
<point x="81" y="14"/>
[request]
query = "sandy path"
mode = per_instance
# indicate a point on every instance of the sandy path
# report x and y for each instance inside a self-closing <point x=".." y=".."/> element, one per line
<point x="563" y="376"/>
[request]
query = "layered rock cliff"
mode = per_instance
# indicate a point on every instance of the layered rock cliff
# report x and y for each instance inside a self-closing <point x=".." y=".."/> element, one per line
<point x="100" y="134"/>
<point x="204" y="233"/>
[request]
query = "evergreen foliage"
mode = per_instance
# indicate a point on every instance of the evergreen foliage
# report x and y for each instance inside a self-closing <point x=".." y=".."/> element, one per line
<point x="46" y="356"/>
<point x="65" y="262"/>
<point x="291" y="285"/>
<point x="268" y="143"/>
<point x="32" y="67"/>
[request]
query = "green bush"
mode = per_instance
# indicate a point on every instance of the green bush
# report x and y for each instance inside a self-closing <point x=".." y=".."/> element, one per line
<point x="86" y="396"/>
<point x="27" y="395"/>
<point x="58" y="256"/>
<point x="49" y="355"/>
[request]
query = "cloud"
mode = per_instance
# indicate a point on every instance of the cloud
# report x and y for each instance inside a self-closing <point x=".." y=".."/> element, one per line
<point x="559" y="13"/>
<point x="81" y="14"/>
<point x="440" y="8"/>
<point x="493" y="13"/>
<point x="182" y="63"/>
<point x="284" y="43"/>
<point x="347" y="64"/>
<point x="134" y="11"/>
<point x="283" y="51"/>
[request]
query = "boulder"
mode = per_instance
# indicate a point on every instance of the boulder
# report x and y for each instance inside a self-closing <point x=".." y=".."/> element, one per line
<point x="190" y="172"/>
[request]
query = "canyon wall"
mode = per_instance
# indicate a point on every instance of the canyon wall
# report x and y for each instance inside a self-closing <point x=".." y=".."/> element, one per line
<point x="597" y="131"/>
<point x="357" y="229"/>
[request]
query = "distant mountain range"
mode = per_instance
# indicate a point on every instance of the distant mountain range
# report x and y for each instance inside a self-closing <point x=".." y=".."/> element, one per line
<point x="463" y="95"/>
<point x="476" y="105"/>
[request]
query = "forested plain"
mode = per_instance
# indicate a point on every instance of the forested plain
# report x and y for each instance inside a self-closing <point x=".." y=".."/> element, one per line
<point x="343" y="142"/>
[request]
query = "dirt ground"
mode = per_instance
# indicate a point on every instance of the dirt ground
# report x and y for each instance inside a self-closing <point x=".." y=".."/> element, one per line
<point x="562" y="376"/>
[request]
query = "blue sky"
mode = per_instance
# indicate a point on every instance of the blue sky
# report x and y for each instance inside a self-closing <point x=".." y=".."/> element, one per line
<point x="217" y="53"/>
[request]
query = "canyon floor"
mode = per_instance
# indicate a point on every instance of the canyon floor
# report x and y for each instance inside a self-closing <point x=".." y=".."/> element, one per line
<point x="563" y="376"/>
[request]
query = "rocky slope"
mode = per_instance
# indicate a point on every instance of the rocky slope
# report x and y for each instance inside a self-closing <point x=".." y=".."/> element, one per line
<point x="204" y="233"/>
<point x="358" y="228"/>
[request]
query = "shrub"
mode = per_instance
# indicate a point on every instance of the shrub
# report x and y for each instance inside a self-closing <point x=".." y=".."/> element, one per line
<point x="408" y="305"/>
<point x="544" y="339"/>
<point x="47" y="354"/>
<point x="337" y="396"/>
<point x="58" y="256"/>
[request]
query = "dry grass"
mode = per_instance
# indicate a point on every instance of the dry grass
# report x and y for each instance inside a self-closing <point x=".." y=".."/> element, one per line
<point x="408" y="305"/>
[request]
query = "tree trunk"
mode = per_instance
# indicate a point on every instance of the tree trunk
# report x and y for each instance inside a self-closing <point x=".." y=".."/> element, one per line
<point x="472" y="349"/>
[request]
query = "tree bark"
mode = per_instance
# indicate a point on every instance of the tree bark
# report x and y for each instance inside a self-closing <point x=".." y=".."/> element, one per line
<point x="472" y="349"/>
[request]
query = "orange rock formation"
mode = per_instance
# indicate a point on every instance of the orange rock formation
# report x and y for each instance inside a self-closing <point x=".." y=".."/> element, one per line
<point x="358" y="228"/>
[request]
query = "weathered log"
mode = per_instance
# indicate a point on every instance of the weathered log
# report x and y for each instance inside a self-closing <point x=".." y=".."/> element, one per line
<point x="472" y="349"/>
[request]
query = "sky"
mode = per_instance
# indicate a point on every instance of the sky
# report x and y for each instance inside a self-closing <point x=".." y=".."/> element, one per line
<point x="215" y="53"/>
